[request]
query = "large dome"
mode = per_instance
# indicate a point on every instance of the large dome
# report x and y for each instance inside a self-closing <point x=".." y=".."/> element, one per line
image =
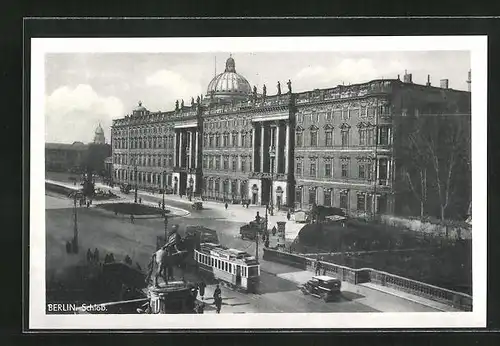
<point x="229" y="84"/>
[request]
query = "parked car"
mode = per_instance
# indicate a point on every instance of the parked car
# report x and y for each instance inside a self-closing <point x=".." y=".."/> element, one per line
<point x="197" y="205"/>
<point x="324" y="287"/>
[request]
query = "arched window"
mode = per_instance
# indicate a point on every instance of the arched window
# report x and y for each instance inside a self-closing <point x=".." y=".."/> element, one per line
<point x="299" y="136"/>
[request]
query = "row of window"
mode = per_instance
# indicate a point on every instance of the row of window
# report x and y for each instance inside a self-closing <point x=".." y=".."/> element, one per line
<point x="365" y="171"/>
<point x="224" y="140"/>
<point x="343" y="114"/>
<point x="141" y="131"/>
<point x="364" y="201"/>
<point x="143" y="177"/>
<point x="145" y="143"/>
<point x="214" y="162"/>
<point x="220" y="264"/>
<point x="144" y="160"/>
<point x="225" y="123"/>
<point x="214" y="185"/>
<point x="366" y="137"/>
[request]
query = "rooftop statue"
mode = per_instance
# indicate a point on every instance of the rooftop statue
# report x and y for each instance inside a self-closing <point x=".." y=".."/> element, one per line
<point x="289" y="86"/>
<point x="279" y="88"/>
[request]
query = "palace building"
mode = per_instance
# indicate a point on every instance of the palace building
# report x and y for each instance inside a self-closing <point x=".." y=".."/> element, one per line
<point x="332" y="147"/>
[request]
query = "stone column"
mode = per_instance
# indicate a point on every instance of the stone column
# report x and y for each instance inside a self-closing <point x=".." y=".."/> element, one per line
<point x="277" y="146"/>
<point x="254" y="151"/>
<point x="377" y="165"/>
<point x="287" y="147"/>
<point x="196" y="148"/>
<point x="388" y="170"/>
<point x="182" y="148"/>
<point x="262" y="146"/>
<point x="176" y="147"/>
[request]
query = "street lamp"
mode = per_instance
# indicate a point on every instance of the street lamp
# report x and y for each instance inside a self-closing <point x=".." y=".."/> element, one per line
<point x="273" y="157"/>
<point x="163" y="192"/>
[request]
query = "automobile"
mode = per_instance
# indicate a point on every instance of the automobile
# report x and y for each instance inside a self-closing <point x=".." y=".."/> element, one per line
<point x="324" y="287"/>
<point x="125" y="188"/>
<point x="197" y="205"/>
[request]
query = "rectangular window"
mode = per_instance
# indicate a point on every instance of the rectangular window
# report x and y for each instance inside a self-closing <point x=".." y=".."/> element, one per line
<point x="298" y="141"/>
<point x="362" y="136"/>
<point x="328" y="169"/>
<point x="327" y="200"/>
<point x="344" y="201"/>
<point x="211" y="142"/>
<point x="312" y="196"/>
<point x="361" y="202"/>
<point x="384" y="135"/>
<point x="362" y="171"/>
<point x="329" y="116"/>
<point x="345" y="169"/>
<point x="217" y="163"/>
<point x="370" y="112"/>
<point x="298" y="169"/>
<point x="217" y="141"/>
<point x="345" y="138"/>
<point x="243" y="164"/>
<point x="329" y="138"/>
<point x="314" y="138"/>
<point x="345" y="114"/>
<point x="243" y="140"/>
<point x="226" y="162"/>
<point x="235" y="165"/>
<point x="312" y="169"/>
<point x="235" y="139"/>
<point x="298" y="196"/>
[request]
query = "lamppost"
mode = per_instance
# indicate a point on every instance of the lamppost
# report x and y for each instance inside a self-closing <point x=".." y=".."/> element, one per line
<point x="163" y="192"/>
<point x="273" y="157"/>
<point x="75" y="227"/>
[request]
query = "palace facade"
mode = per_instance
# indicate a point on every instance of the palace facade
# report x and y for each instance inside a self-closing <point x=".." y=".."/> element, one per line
<point x="332" y="147"/>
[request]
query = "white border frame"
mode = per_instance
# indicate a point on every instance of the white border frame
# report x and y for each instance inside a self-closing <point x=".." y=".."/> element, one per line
<point x="477" y="45"/>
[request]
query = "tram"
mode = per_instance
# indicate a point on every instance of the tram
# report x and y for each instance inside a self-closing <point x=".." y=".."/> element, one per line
<point x="237" y="269"/>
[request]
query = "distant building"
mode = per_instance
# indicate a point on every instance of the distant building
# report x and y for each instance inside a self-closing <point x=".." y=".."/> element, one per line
<point x="332" y="147"/>
<point x="60" y="157"/>
<point x="64" y="157"/>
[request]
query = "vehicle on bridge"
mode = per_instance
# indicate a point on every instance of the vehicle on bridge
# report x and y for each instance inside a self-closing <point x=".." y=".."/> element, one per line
<point x="324" y="287"/>
<point x="236" y="269"/>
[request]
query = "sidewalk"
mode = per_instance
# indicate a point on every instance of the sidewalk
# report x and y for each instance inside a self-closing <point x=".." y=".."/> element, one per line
<point x="377" y="297"/>
<point x="230" y="302"/>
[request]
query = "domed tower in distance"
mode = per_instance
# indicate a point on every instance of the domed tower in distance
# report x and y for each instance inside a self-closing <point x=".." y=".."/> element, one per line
<point x="229" y="85"/>
<point x="99" y="135"/>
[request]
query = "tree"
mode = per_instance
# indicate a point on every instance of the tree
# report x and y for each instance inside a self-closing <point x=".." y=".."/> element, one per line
<point x="93" y="162"/>
<point x="436" y="159"/>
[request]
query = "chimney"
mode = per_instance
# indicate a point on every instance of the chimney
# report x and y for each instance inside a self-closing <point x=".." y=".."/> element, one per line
<point x="428" y="80"/>
<point x="443" y="83"/>
<point x="469" y="81"/>
<point x="407" y="77"/>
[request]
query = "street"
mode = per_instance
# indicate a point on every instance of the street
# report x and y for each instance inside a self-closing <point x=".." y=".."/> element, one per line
<point x="277" y="292"/>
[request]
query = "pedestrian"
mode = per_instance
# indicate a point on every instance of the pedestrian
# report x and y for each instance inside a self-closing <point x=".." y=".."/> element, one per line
<point x="257" y="217"/>
<point x="201" y="308"/>
<point x="288" y="215"/>
<point x="225" y="205"/>
<point x="116" y="212"/>
<point x="266" y="243"/>
<point x="274" y="230"/>
<point x="96" y="255"/>
<point x="111" y="258"/>
<point x="138" y="266"/>
<point x="68" y="247"/>
<point x="106" y="259"/>
<point x="89" y="255"/>
<point x="159" y="205"/>
<point x="132" y="218"/>
<point x="140" y="200"/>
<point x="318" y="267"/>
<point x="88" y="204"/>
<point x="201" y="287"/>
<point x="218" y="304"/>
<point x="128" y="260"/>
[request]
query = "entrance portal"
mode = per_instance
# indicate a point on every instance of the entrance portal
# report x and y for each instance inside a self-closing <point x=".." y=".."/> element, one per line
<point x="255" y="193"/>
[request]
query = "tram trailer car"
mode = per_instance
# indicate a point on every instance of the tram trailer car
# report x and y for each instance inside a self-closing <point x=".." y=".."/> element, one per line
<point x="235" y="268"/>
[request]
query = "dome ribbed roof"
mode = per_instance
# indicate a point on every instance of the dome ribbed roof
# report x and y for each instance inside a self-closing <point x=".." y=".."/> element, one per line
<point x="229" y="84"/>
<point x="140" y="108"/>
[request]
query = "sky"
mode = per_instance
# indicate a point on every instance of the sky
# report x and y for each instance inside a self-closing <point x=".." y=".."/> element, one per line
<point x="85" y="89"/>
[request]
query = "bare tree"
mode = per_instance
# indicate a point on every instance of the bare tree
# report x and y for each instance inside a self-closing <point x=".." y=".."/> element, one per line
<point x="444" y="140"/>
<point x="419" y="159"/>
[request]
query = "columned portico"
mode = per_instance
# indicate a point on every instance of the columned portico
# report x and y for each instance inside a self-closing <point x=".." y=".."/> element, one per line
<point x="187" y="151"/>
<point x="271" y="161"/>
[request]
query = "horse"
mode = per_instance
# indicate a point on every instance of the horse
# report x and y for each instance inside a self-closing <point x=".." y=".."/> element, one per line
<point x="166" y="256"/>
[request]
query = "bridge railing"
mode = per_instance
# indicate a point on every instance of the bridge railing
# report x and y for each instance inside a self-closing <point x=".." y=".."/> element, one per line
<point x="451" y="298"/>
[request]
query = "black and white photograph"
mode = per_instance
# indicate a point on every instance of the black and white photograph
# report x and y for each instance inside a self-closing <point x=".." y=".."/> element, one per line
<point x="298" y="182"/>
